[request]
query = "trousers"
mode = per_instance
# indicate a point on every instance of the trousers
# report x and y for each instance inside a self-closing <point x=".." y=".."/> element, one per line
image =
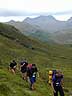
<point x="58" y="89"/>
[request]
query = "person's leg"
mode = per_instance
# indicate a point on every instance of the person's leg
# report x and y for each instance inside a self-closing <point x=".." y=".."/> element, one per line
<point x="22" y="74"/>
<point x="33" y="86"/>
<point x="61" y="91"/>
<point x="25" y="76"/>
<point x="12" y="70"/>
<point x="56" y="93"/>
<point x="33" y="83"/>
<point x="30" y="83"/>
<point x="28" y="79"/>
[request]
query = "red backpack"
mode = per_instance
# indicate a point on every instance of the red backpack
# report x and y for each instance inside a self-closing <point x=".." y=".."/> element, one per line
<point x="29" y="66"/>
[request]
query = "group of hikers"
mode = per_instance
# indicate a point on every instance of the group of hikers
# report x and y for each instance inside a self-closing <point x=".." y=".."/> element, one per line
<point x="29" y="73"/>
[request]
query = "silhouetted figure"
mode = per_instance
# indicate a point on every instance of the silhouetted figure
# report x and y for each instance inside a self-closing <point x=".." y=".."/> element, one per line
<point x="23" y="68"/>
<point x="13" y="66"/>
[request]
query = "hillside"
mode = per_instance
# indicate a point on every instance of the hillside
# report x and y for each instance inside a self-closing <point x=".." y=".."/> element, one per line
<point x="46" y="56"/>
<point x="23" y="26"/>
<point x="14" y="34"/>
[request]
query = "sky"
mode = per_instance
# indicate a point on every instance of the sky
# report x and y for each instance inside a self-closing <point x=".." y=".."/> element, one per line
<point x="20" y="9"/>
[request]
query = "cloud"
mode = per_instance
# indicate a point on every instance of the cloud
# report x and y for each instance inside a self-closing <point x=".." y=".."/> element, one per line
<point x="57" y="13"/>
<point x="63" y="13"/>
<point x="6" y="13"/>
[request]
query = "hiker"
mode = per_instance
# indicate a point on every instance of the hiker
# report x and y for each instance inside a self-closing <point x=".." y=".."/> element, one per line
<point x="23" y="68"/>
<point x="50" y="75"/>
<point x="29" y="66"/>
<point x="32" y="72"/>
<point x="13" y="65"/>
<point x="56" y="84"/>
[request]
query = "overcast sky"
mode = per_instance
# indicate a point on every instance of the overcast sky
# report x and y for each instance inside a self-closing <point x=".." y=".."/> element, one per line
<point x="19" y="9"/>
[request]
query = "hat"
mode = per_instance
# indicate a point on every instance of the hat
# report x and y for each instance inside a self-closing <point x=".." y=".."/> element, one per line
<point x="50" y="72"/>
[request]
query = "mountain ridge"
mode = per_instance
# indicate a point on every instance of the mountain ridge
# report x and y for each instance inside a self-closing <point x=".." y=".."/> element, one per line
<point x="44" y="25"/>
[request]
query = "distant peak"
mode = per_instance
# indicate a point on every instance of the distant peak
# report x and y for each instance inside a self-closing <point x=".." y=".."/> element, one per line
<point x="41" y="17"/>
<point x="70" y="19"/>
<point x="11" y="21"/>
<point x="49" y="16"/>
<point x="27" y="19"/>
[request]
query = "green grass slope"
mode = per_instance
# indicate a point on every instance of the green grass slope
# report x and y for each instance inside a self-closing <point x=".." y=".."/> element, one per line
<point x="45" y="56"/>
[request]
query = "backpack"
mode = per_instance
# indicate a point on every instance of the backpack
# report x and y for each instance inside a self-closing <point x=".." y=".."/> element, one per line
<point x="29" y="66"/>
<point x="50" y="75"/>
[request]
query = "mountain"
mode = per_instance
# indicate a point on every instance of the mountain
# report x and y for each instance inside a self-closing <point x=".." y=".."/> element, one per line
<point x="47" y="23"/>
<point x="63" y="36"/>
<point x="24" y="27"/>
<point x="44" y="28"/>
<point x="70" y="20"/>
<point x="45" y="56"/>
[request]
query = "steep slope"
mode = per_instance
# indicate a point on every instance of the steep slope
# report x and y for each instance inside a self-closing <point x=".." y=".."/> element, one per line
<point x="31" y="30"/>
<point x="57" y="57"/>
<point x="24" y="27"/>
<point x="13" y="84"/>
<point x="14" y="34"/>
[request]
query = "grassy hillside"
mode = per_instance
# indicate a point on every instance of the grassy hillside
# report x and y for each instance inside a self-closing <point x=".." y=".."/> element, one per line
<point x="14" y="34"/>
<point x="45" y="56"/>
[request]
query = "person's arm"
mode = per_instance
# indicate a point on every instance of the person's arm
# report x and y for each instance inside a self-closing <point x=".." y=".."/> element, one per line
<point x="38" y="74"/>
<point x="62" y="83"/>
<point x="53" y="87"/>
<point x="53" y="80"/>
<point x="22" y="65"/>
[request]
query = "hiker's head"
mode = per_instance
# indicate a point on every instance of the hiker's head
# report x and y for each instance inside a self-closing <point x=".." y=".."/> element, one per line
<point x="58" y="72"/>
<point x="33" y="65"/>
<point x="50" y="72"/>
<point x="13" y="60"/>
